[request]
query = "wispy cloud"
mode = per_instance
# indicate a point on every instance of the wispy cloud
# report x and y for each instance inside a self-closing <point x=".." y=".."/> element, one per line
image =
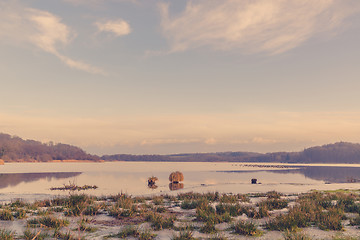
<point x="41" y="29"/>
<point x="253" y="25"/>
<point x="96" y="3"/>
<point x="117" y="27"/>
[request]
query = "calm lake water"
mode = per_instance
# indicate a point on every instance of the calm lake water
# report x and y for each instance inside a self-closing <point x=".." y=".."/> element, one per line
<point x="33" y="180"/>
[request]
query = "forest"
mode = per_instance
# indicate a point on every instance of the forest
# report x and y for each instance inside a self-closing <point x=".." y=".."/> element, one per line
<point x="15" y="149"/>
<point x="341" y="152"/>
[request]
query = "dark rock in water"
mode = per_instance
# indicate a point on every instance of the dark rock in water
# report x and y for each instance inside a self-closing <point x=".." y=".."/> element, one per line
<point x="253" y="181"/>
<point x="176" y="177"/>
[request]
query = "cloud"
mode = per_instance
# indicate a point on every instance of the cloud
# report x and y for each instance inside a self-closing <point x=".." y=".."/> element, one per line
<point x="210" y="141"/>
<point x="248" y="131"/>
<point x="42" y="29"/>
<point x="164" y="141"/>
<point x="118" y="27"/>
<point x="96" y="3"/>
<point x="253" y="26"/>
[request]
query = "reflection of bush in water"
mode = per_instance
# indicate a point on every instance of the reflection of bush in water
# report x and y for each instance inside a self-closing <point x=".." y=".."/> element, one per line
<point x="176" y="186"/>
<point x="152" y="186"/>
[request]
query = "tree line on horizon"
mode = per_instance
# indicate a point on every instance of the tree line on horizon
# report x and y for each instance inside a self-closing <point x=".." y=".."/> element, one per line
<point x="15" y="149"/>
<point x="341" y="152"/>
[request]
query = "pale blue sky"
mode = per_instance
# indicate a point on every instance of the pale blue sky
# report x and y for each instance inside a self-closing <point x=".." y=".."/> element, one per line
<point x="146" y="76"/>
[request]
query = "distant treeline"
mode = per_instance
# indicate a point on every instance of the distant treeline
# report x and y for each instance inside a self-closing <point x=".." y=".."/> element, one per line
<point x="341" y="152"/>
<point x="15" y="149"/>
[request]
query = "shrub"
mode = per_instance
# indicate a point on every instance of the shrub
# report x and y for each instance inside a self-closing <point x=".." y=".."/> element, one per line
<point x="159" y="222"/>
<point x="246" y="228"/>
<point x="355" y="221"/>
<point x="291" y="235"/>
<point x="50" y="222"/>
<point x="18" y="203"/>
<point x="330" y="220"/>
<point x="76" y="204"/>
<point x="6" y="235"/>
<point x="227" y="198"/>
<point x="273" y="203"/>
<point x="30" y="235"/>
<point x="294" y="219"/>
<point x="273" y="194"/>
<point x="63" y="236"/>
<point x="243" y="197"/>
<point x="184" y="235"/>
<point x="211" y="197"/>
<point x="209" y="225"/>
<point x="146" y="235"/>
<point x="262" y="212"/>
<point x="160" y="209"/>
<point x="158" y="200"/>
<point x="6" y="215"/>
<point x="189" y="204"/>
<point x="20" y="214"/>
<point x="131" y="231"/>
<point x="92" y="210"/>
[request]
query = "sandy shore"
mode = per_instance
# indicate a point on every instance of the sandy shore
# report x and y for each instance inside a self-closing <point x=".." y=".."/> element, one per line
<point x="325" y="215"/>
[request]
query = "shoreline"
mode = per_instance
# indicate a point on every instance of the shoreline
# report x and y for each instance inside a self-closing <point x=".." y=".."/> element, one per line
<point x="246" y="164"/>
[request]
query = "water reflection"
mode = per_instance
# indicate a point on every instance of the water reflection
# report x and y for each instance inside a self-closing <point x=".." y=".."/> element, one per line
<point x="175" y="186"/>
<point x="13" y="179"/>
<point x="328" y="174"/>
<point x="133" y="178"/>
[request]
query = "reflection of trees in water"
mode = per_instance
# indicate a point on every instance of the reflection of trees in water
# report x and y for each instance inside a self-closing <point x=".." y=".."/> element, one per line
<point x="176" y="186"/>
<point x="13" y="179"/>
<point x="333" y="174"/>
<point x="323" y="173"/>
<point x="326" y="173"/>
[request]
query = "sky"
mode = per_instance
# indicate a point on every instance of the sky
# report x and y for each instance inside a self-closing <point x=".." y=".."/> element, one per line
<point x="160" y="77"/>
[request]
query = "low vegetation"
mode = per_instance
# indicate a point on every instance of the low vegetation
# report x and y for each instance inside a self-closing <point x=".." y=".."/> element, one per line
<point x="186" y="215"/>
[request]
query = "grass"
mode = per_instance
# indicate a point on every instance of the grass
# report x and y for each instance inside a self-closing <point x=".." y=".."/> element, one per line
<point x="343" y="237"/>
<point x="6" y="215"/>
<point x="132" y="231"/>
<point x="47" y="221"/>
<point x="184" y="235"/>
<point x="20" y="213"/>
<point x="6" y="234"/>
<point x="273" y="203"/>
<point x="63" y="236"/>
<point x="30" y="235"/>
<point x="246" y="228"/>
<point x="355" y="221"/>
<point x="159" y="221"/>
<point x="189" y="204"/>
<point x="309" y="211"/>
<point x="77" y="203"/>
<point x="295" y="235"/>
<point x="234" y="210"/>
<point x="324" y="210"/>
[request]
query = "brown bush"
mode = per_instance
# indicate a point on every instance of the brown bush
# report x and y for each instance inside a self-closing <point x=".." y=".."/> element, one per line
<point x="176" y="177"/>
